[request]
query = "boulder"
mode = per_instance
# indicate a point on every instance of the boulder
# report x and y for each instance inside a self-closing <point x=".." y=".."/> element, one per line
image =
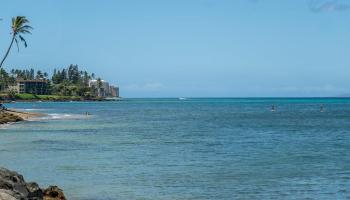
<point x="53" y="193"/>
<point x="14" y="187"/>
<point x="8" y="195"/>
<point x="34" y="191"/>
<point x="12" y="184"/>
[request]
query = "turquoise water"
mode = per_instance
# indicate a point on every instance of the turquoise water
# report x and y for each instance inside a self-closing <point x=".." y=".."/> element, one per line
<point x="190" y="149"/>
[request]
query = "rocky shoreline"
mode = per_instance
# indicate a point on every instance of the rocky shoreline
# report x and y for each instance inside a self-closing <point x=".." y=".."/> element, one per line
<point x="9" y="115"/>
<point x="14" y="187"/>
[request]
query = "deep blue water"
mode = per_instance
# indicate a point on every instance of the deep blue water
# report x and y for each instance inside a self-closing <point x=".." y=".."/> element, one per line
<point x="191" y="149"/>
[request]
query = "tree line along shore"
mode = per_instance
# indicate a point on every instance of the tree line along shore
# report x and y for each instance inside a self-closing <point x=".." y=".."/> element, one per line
<point x="67" y="84"/>
<point x="6" y="98"/>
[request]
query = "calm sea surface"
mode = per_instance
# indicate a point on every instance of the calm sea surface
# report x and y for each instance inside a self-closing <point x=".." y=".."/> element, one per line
<point x="185" y="149"/>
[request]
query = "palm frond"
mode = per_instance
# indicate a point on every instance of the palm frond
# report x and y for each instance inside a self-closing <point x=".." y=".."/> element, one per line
<point x="25" y="27"/>
<point x="23" y="40"/>
<point x="23" y="31"/>
<point x="21" y="20"/>
<point x="20" y="23"/>
<point x="17" y="44"/>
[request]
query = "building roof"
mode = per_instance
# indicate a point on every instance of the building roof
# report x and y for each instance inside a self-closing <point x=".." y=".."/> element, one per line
<point x="94" y="80"/>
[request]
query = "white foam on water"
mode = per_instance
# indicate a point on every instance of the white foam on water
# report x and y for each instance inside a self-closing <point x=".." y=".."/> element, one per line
<point x="33" y="109"/>
<point x="60" y="116"/>
<point x="8" y="125"/>
<point x="5" y="126"/>
<point x="29" y="109"/>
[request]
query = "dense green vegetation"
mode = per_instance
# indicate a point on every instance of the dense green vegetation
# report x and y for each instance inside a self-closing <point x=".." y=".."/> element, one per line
<point x="48" y="97"/>
<point x="33" y="97"/>
<point x="65" y="82"/>
<point x="72" y="81"/>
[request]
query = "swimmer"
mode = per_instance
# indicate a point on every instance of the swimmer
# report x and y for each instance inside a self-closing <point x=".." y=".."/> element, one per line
<point x="273" y="109"/>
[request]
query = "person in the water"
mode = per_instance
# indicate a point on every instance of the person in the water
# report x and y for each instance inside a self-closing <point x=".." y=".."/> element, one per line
<point x="321" y="108"/>
<point x="273" y="109"/>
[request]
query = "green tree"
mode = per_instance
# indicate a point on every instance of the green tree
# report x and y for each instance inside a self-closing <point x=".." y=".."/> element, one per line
<point x="11" y="94"/>
<point x="19" y="26"/>
<point x="39" y="75"/>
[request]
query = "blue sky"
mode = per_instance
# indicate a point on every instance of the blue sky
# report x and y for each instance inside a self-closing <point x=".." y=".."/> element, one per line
<point x="191" y="48"/>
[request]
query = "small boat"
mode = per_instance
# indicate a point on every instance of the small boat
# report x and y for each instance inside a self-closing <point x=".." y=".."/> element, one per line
<point x="182" y="98"/>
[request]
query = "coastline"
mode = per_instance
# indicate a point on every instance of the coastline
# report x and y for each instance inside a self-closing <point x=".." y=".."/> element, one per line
<point x="22" y="114"/>
<point x="58" y="99"/>
<point x="10" y="115"/>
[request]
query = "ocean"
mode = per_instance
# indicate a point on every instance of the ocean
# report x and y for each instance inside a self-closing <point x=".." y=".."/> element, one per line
<point x="208" y="148"/>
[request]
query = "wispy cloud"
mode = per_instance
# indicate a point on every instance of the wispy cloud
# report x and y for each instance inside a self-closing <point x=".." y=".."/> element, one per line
<point x="328" y="5"/>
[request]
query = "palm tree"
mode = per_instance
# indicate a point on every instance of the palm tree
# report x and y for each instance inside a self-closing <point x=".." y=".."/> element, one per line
<point x="19" y="26"/>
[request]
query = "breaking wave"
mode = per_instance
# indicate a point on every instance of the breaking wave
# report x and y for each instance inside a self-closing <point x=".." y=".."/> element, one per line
<point x="61" y="116"/>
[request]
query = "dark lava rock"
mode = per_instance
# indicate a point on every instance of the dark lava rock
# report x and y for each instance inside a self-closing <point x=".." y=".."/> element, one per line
<point x="54" y="193"/>
<point x="35" y="193"/>
<point x="14" y="187"/>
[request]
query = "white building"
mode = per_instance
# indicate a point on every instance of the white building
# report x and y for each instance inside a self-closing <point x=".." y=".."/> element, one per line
<point x="104" y="89"/>
<point x="113" y="91"/>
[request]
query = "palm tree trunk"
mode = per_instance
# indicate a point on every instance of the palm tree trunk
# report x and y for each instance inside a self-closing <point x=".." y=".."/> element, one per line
<point x="8" y="50"/>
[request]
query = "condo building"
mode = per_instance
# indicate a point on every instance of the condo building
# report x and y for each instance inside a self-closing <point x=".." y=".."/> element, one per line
<point x="38" y="87"/>
<point x="103" y="88"/>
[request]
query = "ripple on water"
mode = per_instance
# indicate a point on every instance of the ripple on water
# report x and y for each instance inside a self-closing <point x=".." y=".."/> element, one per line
<point x="61" y="145"/>
<point x="202" y="149"/>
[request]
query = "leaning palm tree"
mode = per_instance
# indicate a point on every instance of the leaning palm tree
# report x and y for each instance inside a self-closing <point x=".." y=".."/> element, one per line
<point x="19" y="26"/>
